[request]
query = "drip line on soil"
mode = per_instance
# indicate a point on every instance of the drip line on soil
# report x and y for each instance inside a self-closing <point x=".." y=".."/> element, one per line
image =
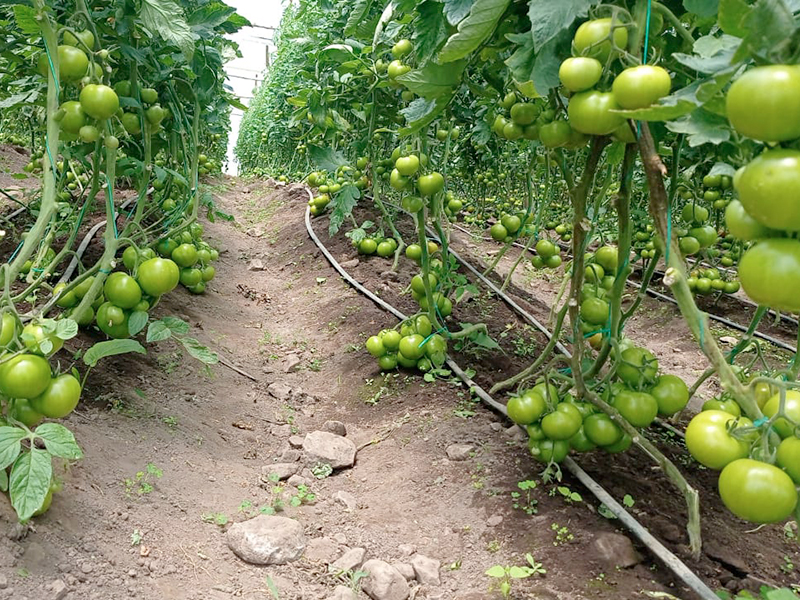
<point x="657" y="548"/>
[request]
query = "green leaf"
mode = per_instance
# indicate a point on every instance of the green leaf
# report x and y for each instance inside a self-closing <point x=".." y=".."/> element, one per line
<point x="702" y="8"/>
<point x="549" y="18"/>
<point x="712" y="54"/>
<point x="10" y="446"/>
<point x="3" y="480"/>
<point x="166" y="18"/>
<point x="422" y="112"/>
<point x="16" y="99"/>
<point x="25" y="16"/>
<point x="519" y="572"/>
<point x="200" y="352"/>
<point x="430" y="30"/>
<point x="158" y="332"/>
<point x="137" y="321"/>
<point x="343" y="204"/>
<point x="29" y="482"/>
<point x="326" y="159"/>
<point x="722" y="168"/>
<point x="781" y="594"/>
<point x="433" y="80"/>
<point x="358" y="12"/>
<point x="111" y="348"/>
<point x="702" y="127"/>
<point x="59" y="441"/>
<point x="176" y="326"/>
<point x="456" y="10"/>
<point x="474" y="30"/>
<point x="66" y="329"/>
<point x="769" y="25"/>
<point x="496" y="571"/>
<point x="730" y="16"/>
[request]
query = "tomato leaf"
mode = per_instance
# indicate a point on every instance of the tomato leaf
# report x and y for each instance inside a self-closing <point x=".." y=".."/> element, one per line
<point x="200" y="352"/>
<point x="358" y="13"/>
<point x="430" y="30"/>
<point x="702" y="127"/>
<point x="496" y="571"/>
<point x="66" y="329"/>
<point x="25" y="16"/>
<point x="30" y="481"/>
<point x="137" y="321"/>
<point x="422" y="112"/>
<point x="433" y="80"/>
<point x="549" y="18"/>
<point x="343" y="204"/>
<point x="3" y="480"/>
<point x="472" y="31"/>
<point x="59" y="441"/>
<point x="158" y="332"/>
<point x="730" y="15"/>
<point x="10" y="446"/>
<point x="326" y="159"/>
<point x="456" y="10"/>
<point x="166" y="18"/>
<point x="702" y="8"/>
<point x="111" y="348"/>
<point x="711" y="54"/>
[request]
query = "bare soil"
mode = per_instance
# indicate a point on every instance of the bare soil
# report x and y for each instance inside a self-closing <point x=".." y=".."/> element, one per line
<point x="211" y="432"/>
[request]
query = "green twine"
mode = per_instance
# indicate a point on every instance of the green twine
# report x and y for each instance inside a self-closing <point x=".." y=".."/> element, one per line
<point x="760" y="422"/>
<point x="430" y="337"/>
<point x="13" y="254"/>
<point x="110" y="201"/>
<point x="105" y="271"/>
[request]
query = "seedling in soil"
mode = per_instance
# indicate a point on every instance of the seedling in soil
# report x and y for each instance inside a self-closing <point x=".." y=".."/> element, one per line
<point x="493" y="546"/>
<point x="787" y="566"/>
<point x="142" y="482"/>
<point x="220" y="519"/>
<point x="522" y="499"/>
<point x="278" y="502"/>
<point x="352" y="579"/>
<point x="321" y="470"/>
<point x="566" y="493"/>
<point x="563" y="534"/>
<point x="137" y="537"/>
<point x="505" y="575"/>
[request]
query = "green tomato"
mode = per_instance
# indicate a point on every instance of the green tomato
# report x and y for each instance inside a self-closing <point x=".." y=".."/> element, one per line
<point x="591" y="113"/>
<point x="768" y="187"/>
<point x="757" y="492"/>
<point x="639" y="408"/>
<point x="641" y="86"/>
<point x="791" y="410"/>
<point x="709" y="442"/>
<point x="768" y="273"/>
<point x="24" y="376"/>
<point x="594" y="38"/>
<point x="580" y="73"/>
<point x="60" y="398"/>
<point x="671" y="394"/>
<point x="764" y="103"/>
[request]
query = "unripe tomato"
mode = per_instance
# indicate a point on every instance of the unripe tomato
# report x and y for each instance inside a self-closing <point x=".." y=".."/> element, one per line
<point x="580" y="73"/>
<point x="99" y="101"/>
<point x="791" y="410"/>
<point x="411" y="347"/>
<point x="709" y="442"/>
<point x="8" y="327"/>
<point x="72" y="63"/>
<point x="131" y="123"/>
<point x="185" y="255"/>
<point x="60" y="398"/>
<point x="563" y="422"/>
<point x="32" y="337"/>
<point x="742" y="226"/>
<point x="407" y="165"/>
<point x="788" y="457"/>
<point x="601" y="430"/>
<point x="639" y="408"/>
<point x="637" y="367"/>
<point x="157" y="276"/>
<point x="757" y="492"/>
<point x="21" y="410"/>
<point x="768" y="272"/>
<point x="148" y="95"/>
<point x="671" y="394"/>
<point x="526" y="408"/>
<point x="24" y="376"/>
<point x="401" y="48"/>
<point x="73" y="117"/>
<point x="524" y="113"/>
<point x="547" y="450"/>
<point x="768" y="189"/>
<point x="764" y="103"/>
<point x="85" y="36"/>
<point x="555" y="134"/>
<point x="593" y="38"/>
<point x="590" y="112"/>
<point x="122" y="290"/>
<point x="431" y="184"/>
<point x="641" y="86"/>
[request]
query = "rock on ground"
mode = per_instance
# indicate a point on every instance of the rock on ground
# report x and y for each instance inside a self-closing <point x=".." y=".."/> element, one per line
<point x="281" y="470"/>
<point x="457" y="452"/>
<point x="426" y="570"/>
<point x="617" y="550"/>
<point x="337" y="451"/>
<point x="322" y="549"/>
<point x="343" y="593"/>
<point x="384" y="581"/>
<point x="349" y="561"/>
<point x="267" y="540"/>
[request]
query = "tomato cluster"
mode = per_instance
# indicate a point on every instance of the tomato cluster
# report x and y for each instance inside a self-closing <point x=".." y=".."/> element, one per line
<point x="414" y="346"/>
<point x="328" y="187"/>
<point x="383" y="247"/>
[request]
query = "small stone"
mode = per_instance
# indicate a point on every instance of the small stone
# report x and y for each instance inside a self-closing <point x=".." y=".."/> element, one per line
<point x="349" y="561"/>
<point x="494" y="520"/>
<point x="496" y="426"/>
<point x="132" y="573"/>
<point x="267" y="540"/>
<point x="335" y="427"/>
<point x="617" y="550"/>
<point x="291" y="455"/>
<point x="340" y="537"/>
<point x="458" y="452"/>
<point x="326" y="447"/>
<point x="346" y="499"/>
<point x="727" y="557"/>
<point x="297" y="480"/>
<point x="256" y="265"/>
<point x="57" y="590"/>
<point x="225" y="589"/>
<point x="406" y="549"/>
<point x="280" y="391"/>
<point x="281" y="431"/>
<point x="86" y="568"/>
<point x="515" y="432"/>
<point x="390" y="276"/>
<point x="322" y="549"/>
<point x="291" y="362"/>
<point x="384" y="581"/>
<point x="342" y="593"/>
<point x="282" y="470"/>
<point x="350" y="264"/>
<point x="3" y="582"/>
<point x="405" y="569"/>
<point x="426" y="570"/>
<point x="296" y="441"/>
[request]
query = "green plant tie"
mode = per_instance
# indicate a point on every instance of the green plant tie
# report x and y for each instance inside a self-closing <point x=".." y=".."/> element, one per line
<point x="430" y="337"/>
<point x="13" y="254"/>
<point x="760" y="422"/>
<point x="110" y="201"/>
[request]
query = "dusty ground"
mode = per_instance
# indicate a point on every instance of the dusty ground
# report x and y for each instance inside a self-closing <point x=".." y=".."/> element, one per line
<point x="210" y="433"/>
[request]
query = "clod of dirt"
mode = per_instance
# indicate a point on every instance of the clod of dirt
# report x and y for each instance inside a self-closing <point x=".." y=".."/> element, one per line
<point x="457" y="452"/>
<point x="346" y="499"/>
<point x="56" y="590"/>
<point x="426" y="570"/>
<point x="280" y="391"/>
<point x="335" y="427"/>
<point x="326" y="447"/>
<point x="405" y="569"/>
<point x="616" y="550"/>
<point x="342" y="593"/>
<point x="384" y="581"/>
<point x="280" y="470"/>
<point x="267" y="540"/>
<point x="349" y="561"/>
<point x="322" y="550"/>
<point x="256" y="265"/>
<point x="350" y="264"/>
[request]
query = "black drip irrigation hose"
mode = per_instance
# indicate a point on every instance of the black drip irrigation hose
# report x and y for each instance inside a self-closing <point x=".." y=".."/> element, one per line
<point x="713" y="317"/>
<point x="657" y="548"/>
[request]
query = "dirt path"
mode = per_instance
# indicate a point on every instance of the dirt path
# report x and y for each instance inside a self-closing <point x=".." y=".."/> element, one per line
<point x="279" y="313"/>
